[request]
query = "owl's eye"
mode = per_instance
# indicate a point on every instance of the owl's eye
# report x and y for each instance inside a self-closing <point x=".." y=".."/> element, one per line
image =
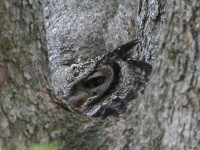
<point x="94" y="82"/>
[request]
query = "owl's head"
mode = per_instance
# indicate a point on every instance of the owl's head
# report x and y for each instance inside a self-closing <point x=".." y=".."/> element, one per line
<point x="94" y="82"/>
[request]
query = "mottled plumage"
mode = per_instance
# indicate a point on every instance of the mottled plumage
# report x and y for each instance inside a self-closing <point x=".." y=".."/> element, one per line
<point x="105" y="85"/>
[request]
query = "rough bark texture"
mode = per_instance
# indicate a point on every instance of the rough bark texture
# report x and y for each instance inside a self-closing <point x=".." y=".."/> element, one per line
<point x="170" y="109"/>
<point x="23" y="74"/>
<point x="168" y="114"/>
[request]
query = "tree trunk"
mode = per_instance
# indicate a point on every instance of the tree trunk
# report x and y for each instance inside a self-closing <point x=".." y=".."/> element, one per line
<point x="166" y="116"/>
<point x="170" y="109"/>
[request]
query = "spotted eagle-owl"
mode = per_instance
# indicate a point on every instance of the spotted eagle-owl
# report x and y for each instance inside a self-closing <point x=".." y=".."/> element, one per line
<point x="104" y="86"/>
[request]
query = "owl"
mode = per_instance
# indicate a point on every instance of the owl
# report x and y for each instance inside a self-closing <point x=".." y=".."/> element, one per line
<point x="105" y="86"/>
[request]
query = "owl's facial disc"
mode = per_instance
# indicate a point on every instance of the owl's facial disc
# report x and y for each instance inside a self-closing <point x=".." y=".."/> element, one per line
<point x="93" y="87"/>
<point x="98" y="79"/>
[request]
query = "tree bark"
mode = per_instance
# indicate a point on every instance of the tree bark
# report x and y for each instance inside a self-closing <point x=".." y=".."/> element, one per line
<point x="23" y="74"/>
<point x="170" y="109"/>
<point x="165" y="118"/>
